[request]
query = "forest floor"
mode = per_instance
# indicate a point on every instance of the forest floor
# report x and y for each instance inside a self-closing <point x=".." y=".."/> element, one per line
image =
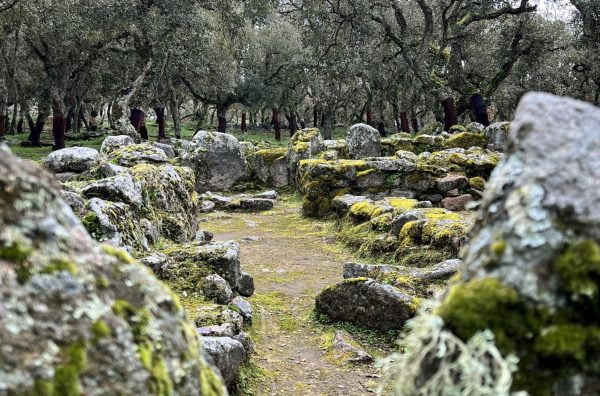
<point x="291" y="259"/>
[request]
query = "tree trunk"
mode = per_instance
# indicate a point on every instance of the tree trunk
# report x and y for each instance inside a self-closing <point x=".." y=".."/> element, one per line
<point x="415" y="125"/>
<point x="244" y="126"/>
<point x="293" y="123"/>
<point x="450" y="117"/>
<point x="381" y="128"/>
<point x="315" y="117"/>
<point x="58" y="122"/>
<point x="160" y="120"/>
<point x="69" y="119"/>
<point x="369" y="116"/>
<point x="2" y="125"/>
<point x="404" y="126"/>
<point x="276" y="124"/>
<point x="122" y="122"/>
<point x="13" y="122"/>
<point x="176" y="115"/>
<point x="479" y="109"/>
<point x="327" y="124"/>
<point x="138" y="122"/>
<point x="222" y="117"/>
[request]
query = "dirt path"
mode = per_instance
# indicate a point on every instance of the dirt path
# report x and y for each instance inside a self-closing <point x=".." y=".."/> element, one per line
<point x="291" y="260"/>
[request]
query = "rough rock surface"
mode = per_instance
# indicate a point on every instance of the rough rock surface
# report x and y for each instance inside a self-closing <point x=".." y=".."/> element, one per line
<point x="497" y="135"/>
<point x="346" y="348"/>
<point x="246" y="285"/>
<point x="228" y="355"/>
<point x="120" y="188"/>
<point x="367" y="303"/>
<point x="363" y="141"/>
<point x="113" y="143"/>
<point x="133" y="154"/>
<point x="217" y="161"/>
<point x="72" y="159"/>
<point x="79" y="317"/>
<point x="217" y="288"/>
<point x="534" y="256"/>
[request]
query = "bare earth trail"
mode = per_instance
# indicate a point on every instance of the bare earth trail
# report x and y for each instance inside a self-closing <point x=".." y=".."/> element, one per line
<point x="291" y="260"/>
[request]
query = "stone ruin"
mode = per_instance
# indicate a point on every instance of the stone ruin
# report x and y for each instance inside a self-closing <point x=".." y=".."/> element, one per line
<point x="403" y="200"/>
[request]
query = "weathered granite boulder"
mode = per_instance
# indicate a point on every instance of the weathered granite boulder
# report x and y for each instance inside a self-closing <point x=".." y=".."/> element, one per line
<point x="194" y="262"/>
<point x="497" y="135"/>
<point x="133" y="154"/>
<point x="113" y="143"/>
<point x="216" y="288"/>
<point x="367" y="303"/>
<point x="306" y="143"/>
<point x="532" y="268"/>
<point x="217" y="161"/>
<point x="79" y="317"/>
<point x="115" y="223"/>
<point x="363" y="141"/>
<point x="228" y="355"/>
<point x="72" y="159"/>
<point x="270" y="166"/>
<point x="120" y="188"/>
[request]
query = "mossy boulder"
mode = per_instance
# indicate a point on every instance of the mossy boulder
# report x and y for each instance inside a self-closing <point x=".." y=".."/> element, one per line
<point x="270" y="166"/>
<point x="532" y="268"/>
<point x="79" y="317"/>
<point x="72" y="159"/>
<point x="305" y="144"/>
<point x="363" y="141"/>
<point x="217" y="161"/>
<point x="466" y="140"/>
<point x="367" y="303"/>
<point x="132" y="154"/>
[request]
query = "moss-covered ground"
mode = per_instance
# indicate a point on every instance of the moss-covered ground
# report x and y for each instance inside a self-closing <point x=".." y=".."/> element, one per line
<point x="292" y="259"/>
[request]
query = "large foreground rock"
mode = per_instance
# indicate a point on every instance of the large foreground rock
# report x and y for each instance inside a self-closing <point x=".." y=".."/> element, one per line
<point x="217" y="160"/>
<point x="73" y="159"/>
<point x="367" y="303"/>
<point x="532" y="268"/>
<point x="78" y="317"/>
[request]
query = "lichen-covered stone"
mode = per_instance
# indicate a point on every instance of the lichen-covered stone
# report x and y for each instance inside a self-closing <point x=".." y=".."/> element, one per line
<point x="79" y="317"/>
<point x="228" y="355"/>
<point x="367" y="303"/>
<point x="497" y="135"/>
<point x="133" y="154"/>
<point x="363" y="141"/>
<point x="270" y="166"/>
<point x="466" y="140"/>
<point x="72" y="159"/>
<point x="305" y="144"/>
<point x="217" y="161"/>
<point x="216" y="288"/>
<point x="120" y="188"/>
<point x="197" y="261"/>
<point x="113" y="143"/>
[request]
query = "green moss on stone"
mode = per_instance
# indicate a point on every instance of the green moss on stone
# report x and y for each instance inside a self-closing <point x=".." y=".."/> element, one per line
<point x="466" y="140"/>
<point x="488" y="304"/>
<point x="60" y="266"/>
<point x="66" y="375"/>
<point x="100" y="329"/>
<point x="118" y="253"/>
<point x="92" y="224"/>
<point x="477" y="182"/>
<point x="579" y="269"/>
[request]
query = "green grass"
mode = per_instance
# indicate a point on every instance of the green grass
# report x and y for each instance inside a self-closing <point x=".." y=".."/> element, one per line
<point x="254" y="136"/>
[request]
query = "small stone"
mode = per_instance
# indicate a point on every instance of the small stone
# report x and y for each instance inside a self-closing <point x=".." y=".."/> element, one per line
<point x="243" y="307"/>
<point x="246" y="285"/>
<point x="217" y="288"/>
<point x="457" y="204"/>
